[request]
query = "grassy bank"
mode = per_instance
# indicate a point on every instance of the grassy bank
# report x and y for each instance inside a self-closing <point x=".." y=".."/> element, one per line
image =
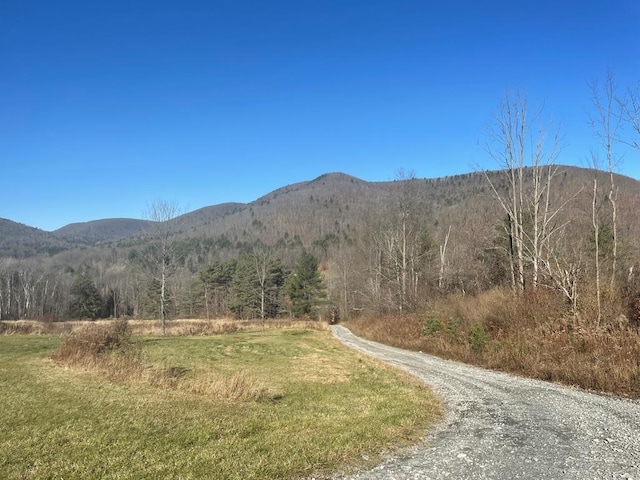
<point x="325" y="408"/>
<point x="532" y="335"/>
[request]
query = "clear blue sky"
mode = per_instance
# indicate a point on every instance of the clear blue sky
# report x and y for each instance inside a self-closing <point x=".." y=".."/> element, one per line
<point x="108" y="106"/>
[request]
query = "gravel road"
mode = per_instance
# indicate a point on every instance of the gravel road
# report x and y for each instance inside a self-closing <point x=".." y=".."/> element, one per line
<point x="503" y="427"/>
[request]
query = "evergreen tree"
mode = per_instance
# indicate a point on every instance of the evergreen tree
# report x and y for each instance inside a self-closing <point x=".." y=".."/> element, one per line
<point x="304" y="287"/>
<point x="257" y="286"/>
<point x="87" y="301"/>
<point x="245" y="289"/>
<point x="150" y="304"/>
<point x="215" y="281"/>
<point x="271" y="277"/>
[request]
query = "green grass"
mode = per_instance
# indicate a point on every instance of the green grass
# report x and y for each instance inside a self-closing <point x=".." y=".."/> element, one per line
<point x="329" y="406"/>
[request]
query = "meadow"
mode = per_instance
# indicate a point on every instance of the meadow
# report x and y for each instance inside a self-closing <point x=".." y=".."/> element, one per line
<point x="278" y="403"/>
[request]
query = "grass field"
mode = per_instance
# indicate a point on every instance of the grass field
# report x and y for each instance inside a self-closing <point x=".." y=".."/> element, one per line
<point x="326" y="408"/>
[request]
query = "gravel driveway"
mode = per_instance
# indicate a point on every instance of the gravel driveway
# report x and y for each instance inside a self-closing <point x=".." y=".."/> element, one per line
<point x="504" y="427"/>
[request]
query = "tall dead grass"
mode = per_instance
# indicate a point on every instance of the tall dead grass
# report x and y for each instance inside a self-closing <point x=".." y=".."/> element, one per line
<point x="33" y="327"/>
<point x="240" y="386"/>
<point x="105" y="347"/>
<point x="178" y="327"/>
<point x="532" y="335"/>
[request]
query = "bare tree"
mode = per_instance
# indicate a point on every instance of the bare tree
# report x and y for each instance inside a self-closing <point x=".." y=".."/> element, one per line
<point x="443" y="254"/>
<point x="564" y="272"/>
<point x="399" y="247"/>
<point x="630" y="113"/>
<point x="342" y="281"/>
<point x="408" y="235"/>
<point x="521" y="146"/>
<point x="508" y="140"/>
<point x="262" y="260"/>
<point x="113" y="280"/>
<point x="596" y="239"/>
<point x="163" y="256"/>
<point x="606" y="123"/>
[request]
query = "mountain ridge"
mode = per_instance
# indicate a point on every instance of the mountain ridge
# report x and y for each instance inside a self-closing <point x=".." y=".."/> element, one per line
<point x="331" y="205"/>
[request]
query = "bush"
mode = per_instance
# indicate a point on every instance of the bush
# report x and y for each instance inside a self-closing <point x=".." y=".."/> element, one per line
<point x="478" y="337"/>
<point x="432" y="325"/>
<point x="94" y="341"/>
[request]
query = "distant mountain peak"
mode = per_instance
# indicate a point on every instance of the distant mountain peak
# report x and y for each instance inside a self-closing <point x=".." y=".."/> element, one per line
<point x="336" y="177"/>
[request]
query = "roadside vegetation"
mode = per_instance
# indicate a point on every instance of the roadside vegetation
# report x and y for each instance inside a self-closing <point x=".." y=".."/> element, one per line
<point x="272" y="403"/>
<point x="534" y="335"/>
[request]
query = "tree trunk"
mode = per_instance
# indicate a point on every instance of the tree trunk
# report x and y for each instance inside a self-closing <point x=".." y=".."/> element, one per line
<point x="443" y="253"/>
<point x="596" y="240"/>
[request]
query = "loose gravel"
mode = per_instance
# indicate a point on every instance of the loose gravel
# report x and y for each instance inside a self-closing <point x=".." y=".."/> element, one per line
<point x="499" y="426"/>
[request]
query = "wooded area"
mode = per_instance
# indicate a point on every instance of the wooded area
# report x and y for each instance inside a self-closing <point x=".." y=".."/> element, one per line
<point x="337" y="247"/>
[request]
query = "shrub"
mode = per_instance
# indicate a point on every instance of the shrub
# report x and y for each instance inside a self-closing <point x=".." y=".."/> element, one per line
<point x="94" y="341"/>
<point x="452" y="328"/>
<point x="478" y="337"/>
<point x="432" y="325"/>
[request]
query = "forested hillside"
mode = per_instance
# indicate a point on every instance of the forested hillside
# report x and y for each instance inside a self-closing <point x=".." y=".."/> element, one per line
<point x="21" y="241"/>
<point x="378" y="246"/>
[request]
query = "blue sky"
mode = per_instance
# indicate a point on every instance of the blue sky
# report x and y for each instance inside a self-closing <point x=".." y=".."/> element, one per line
<point x="106" y="107"/>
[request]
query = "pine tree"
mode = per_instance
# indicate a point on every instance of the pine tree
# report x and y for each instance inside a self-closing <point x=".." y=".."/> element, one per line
<point x="215" y="282"/>
<point x="245" y="290"/>
<point x="257" y="286"/>
<point x="87" y="301"/>
<point x="304" y="287"/>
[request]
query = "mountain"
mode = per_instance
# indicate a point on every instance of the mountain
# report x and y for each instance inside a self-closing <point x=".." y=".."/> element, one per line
<point x="106" y="231"/>
<point x="380" y="245"/>
<point x="20" y="241"/>
<point x="202" y="217"/>
<point x="334" y="207"/>
<point x="100" y="231"/>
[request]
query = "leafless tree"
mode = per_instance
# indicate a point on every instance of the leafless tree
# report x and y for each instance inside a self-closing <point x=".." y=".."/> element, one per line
<point x="443" y="254"/>
<point x="596" y="240"/>
<point x="630" y="114"/>
<point x="398" y="248"/>
<point x="262" y="260"/>
<point x="606" y="123"/>
<point x="564" y="272"/>
<point x="163" y="258"/>
<point x="525" y="151"/>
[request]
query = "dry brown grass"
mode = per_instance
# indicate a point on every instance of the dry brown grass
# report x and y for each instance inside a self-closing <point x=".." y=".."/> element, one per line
<point x="94" y="341"/>
<point x="103" y="347"/>
<point x="32" y="327"/>
<point x="182" y="327"/>
<point x="533" y="335"/>
<point x="241" y="386"/>
<point x="179" y="327"/>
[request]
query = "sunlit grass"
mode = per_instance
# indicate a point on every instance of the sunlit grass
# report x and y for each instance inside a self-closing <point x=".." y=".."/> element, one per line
<point x="328" y="407"/>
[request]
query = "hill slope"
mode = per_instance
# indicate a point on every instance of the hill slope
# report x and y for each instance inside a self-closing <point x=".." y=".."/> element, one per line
<point x="19" y="241"/>
<point x="333" y="207"/>
<point x="98" y="231"/>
